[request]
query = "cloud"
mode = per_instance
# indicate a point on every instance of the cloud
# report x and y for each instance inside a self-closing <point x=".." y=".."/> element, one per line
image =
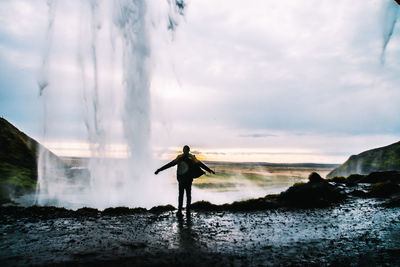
<point x="292" y="66"/>
<point x="21" y="19"/>
<point x="257" y="135"/>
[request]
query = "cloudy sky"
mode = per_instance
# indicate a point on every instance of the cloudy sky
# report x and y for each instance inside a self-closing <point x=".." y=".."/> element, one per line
<point x="275" y="81"/>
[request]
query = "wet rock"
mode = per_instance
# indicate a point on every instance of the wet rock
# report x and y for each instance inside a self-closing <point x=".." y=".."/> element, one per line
<point x="134" y="245"/>
<point x="204" y="206"/>
<point x="264" y="203"/>
<point x="394" y="201"/>
<point x="372" y="178"/>
<point x="11" y="210"/>
<point x="337" y="180"/>
<point x="35" y="212"/>
<point x="90" y="212"/>
<point x="380" y="177"/>
<point x="383" y="189"/>
<point x="358" y="193"/>
<point x="354" y="178"/>
<point x="122" y="211"/>
<point x="315" y="178"/>
<point x="160" y="209"/>
<point x="315" y="193"/>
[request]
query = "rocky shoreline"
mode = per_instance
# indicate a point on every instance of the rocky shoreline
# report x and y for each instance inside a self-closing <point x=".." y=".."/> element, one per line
<point x="349" y="221"/>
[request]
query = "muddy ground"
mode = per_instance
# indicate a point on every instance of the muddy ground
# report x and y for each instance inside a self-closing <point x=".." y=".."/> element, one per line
<point x="356" y="232"/>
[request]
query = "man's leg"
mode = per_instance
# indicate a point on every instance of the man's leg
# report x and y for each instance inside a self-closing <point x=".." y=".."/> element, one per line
<point x="188" y="188"/>
<point x="180" y="196"/>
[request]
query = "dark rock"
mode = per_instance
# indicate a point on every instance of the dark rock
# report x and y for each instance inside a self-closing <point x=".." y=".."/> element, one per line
<point x="160" y="209"/>
<point x="358" y="193"/>
<point x="354" y="178"/>
<point x="263" y="203"/>
<point x="312" y="194"/>
<point x="37" y="212"/>
<point x="315" y="178"/>
<point x="134" y="245"/>
<point x="337" y="180"/>
<point x="10" y="210"/>
<point x="204" y="206"/>
<point x="90" y="212"/>
<point x="47" y="212"/>
<point x="394" y="201"/>
<point x="380" y="177"/>
<point x="122" y="211"/>
<point x="384" y="189"/>
<point x="372" y="178"/>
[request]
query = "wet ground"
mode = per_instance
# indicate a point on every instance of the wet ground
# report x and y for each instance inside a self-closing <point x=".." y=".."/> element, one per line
<point x="358" y="232"/>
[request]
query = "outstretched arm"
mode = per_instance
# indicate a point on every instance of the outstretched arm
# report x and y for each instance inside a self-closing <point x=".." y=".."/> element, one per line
<point x="203" y="166"/>
<point x="166" y="166"/>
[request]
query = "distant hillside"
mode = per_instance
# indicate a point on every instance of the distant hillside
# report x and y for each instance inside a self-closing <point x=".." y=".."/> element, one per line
<point x="268" y="164"/>
<point x="18" y="164"/>
<point x="379" y="159"/>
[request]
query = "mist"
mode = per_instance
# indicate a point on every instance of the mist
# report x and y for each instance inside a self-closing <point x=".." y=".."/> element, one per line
<point x="113" y="52"/>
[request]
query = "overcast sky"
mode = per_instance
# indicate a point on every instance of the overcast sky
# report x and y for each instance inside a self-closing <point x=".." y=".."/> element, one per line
<point x="277" y="81"/>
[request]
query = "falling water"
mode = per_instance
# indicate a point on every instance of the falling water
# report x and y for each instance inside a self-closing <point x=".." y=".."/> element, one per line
<point x="390" y="17"/>
<point x="114" y="109"/>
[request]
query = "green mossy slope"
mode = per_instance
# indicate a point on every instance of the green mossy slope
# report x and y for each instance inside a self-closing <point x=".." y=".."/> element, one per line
<point x="376" y="160"/>
<point x="18" y="168"/>
<point x="18" y="162"/>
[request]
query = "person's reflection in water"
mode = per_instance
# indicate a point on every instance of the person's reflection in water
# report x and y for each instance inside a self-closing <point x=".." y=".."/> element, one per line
<point x="186" y="235"/>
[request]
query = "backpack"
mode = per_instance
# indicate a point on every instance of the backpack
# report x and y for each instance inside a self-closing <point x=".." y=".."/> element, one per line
<point x="194" y="170"/>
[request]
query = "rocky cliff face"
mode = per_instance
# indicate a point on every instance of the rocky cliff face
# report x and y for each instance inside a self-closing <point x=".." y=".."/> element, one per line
<point x="18" y="161"/>
<point x="379" y="159"/>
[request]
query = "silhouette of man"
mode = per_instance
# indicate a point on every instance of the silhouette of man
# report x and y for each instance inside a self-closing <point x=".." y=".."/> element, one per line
<point x="185" y="173"/>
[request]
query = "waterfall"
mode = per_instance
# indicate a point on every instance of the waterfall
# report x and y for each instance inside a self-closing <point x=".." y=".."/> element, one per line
<point x="114" y="83"/>
<point x="390" y="17"/>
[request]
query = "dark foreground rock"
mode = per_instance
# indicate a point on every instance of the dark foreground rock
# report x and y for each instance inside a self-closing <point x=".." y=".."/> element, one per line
<point x="385" y="189"/>
<point x="380" y="184"/>
<point x="372" y="178"/>
<point x="262" y="203"/>
<point x="394" y="201"/>
<point x="355" y="232"/>
<point x="322" y="222"/>
<point x="316" y="193"/>
<point x="45" y="213"/>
